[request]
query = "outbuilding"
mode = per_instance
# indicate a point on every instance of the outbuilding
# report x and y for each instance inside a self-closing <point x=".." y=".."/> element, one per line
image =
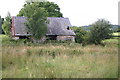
<point x="58" y="28"/>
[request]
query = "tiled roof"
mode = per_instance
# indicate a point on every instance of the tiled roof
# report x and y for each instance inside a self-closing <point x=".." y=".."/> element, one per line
<point x="56" y="26"/>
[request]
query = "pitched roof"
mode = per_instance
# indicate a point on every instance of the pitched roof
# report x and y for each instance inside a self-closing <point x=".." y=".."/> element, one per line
<point x="18" y="23"/>
<point x="56" y="26"/>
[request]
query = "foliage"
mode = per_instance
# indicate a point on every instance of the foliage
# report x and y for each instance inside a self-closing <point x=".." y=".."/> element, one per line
<point x="60" y="61"/>
<point x="37" y="13"/>
<point x="36" y="20"/>
<point x="52" y="8"/>
<point x="0" y="25"/>
<point x="6" y="40"/>
<point x="118" y="29"/>
<point x="81" y="35"/>
<point x="2" y="20"/>
<point x="99" y="31"/>
<point x="6" y="24"/>
<point x="74" y="27"/>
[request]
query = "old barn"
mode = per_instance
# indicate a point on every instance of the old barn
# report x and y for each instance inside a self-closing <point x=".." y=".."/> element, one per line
<point x="58" y="28"/>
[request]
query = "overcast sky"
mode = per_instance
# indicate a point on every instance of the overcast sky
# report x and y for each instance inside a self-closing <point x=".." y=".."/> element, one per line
<point x="80" y="12"/>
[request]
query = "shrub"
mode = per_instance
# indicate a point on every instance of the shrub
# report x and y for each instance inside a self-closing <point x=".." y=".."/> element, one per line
<point x="99" y="31"/>
<point x="81" y="35"/>
<point x="6" y="24"/>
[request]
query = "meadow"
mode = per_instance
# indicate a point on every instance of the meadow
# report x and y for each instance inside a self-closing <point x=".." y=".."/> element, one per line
<point x="59" y="60"/>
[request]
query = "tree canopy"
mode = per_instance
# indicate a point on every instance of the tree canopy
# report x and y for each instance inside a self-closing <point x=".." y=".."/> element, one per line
<point x="81" y="34"/>
<point x="52" y="8"/>
<point x="6" y="24"/>
<point x="37" y="13"/>
<point x="0" y="25"/>
<point x="99" y="31"/>
<point x="36" y="20"/>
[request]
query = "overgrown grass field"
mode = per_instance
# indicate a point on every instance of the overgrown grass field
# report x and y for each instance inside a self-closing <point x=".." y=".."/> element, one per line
<point x="59" y="60"/>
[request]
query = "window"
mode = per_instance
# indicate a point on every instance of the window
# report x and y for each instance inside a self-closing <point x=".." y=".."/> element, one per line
<point x="68" y="28"/>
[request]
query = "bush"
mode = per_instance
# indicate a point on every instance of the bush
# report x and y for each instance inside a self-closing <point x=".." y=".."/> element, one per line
<point x="118" y="29"/>
<point x="99" y="31"/>
<point x="81" y="35"/>
<point x="6" y="24"/>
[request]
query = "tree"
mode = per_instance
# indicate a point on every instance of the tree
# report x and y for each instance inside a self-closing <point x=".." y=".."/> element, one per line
<point x="118" y="29"/>
<point x="6" y="24"/>
<point x="0" y="25"/>
<point x="99" y="31"/>
<point x="37" y="13"/>
<point x="81" y="34"/>
<point x="52" y="8"/>
<point x="36" y="20"/>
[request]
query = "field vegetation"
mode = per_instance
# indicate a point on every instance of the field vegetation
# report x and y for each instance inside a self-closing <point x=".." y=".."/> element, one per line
<point x="94" y="54"/>
<point x="21" y="59"/>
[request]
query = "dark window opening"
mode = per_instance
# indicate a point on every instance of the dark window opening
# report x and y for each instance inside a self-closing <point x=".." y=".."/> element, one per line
<point x="23" y="37"/>
<point x="68" y="28"/>
<point x="52" y="37"/>
<point x="27" y="32"/>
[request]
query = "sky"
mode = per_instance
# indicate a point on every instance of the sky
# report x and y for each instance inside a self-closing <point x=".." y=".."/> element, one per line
<point x="79" y="12"/>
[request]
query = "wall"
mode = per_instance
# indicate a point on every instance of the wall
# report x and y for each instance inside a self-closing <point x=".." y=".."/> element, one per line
<point x="39" y="40"/>
<point x="66" y="38"/>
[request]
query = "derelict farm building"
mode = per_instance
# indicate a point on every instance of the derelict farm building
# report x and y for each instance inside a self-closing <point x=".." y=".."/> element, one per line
<point x="57" y="28"/>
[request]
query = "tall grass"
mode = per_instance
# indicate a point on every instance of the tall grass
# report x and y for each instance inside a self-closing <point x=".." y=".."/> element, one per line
<point x="65" y="60"/>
